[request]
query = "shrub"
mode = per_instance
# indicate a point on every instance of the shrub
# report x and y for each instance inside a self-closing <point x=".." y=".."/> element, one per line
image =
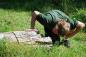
<point x="81" y="16"/>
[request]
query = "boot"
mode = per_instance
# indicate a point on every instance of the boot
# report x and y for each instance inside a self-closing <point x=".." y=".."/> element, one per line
<point x="56" y="42"/>
<point x="66" y="43"/>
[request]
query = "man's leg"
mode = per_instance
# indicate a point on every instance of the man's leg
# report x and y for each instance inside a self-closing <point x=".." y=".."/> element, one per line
<point x="33" y="19"/>
<point x="55" y="38"/>
<point x="66" y="42"/>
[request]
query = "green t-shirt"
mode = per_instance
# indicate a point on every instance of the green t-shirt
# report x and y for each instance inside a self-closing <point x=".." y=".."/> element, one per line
<point x="50" y="19"/>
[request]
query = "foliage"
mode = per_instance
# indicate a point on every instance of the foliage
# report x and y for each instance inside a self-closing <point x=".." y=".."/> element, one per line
<point x="64" y="5"/>
<point x="80" y="15"/>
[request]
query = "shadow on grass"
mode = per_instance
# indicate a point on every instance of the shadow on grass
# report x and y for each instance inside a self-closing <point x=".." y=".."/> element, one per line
<point x="26" y="5"/>
<point x="41" y="5"/>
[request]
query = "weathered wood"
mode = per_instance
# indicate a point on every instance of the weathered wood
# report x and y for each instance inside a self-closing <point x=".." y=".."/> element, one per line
<point x="28" y="36"/>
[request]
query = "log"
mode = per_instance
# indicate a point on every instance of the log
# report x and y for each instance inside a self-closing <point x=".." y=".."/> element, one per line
<point x="28" y="36"/>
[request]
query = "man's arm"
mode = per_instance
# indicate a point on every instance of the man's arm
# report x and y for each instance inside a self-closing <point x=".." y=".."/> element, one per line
<point x="79" y="26"/>
<point x="72" y="33"/>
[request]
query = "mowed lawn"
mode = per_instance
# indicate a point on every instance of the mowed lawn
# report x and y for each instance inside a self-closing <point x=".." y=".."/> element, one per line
<point x="11" y="20"/>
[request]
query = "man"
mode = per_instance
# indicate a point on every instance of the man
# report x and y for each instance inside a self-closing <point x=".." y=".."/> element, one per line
<point x="56" y="24"/>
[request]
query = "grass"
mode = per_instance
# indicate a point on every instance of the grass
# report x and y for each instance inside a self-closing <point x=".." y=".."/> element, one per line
<point x="11" y="20"/>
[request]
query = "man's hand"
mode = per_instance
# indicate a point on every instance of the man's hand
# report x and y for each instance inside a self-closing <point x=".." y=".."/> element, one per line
<point x="35" y="30"/>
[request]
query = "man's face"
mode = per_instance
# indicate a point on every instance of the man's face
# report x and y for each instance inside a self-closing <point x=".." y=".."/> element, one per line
<point x="62" y="28"/>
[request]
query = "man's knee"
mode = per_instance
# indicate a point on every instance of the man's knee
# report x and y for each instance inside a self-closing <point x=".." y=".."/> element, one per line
<point x="80" y="25"/>
<point x="36" y="13"/>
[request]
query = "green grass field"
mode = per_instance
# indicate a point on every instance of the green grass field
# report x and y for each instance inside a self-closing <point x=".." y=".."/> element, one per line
<point x="78" y="49"/>
<point x="11" y="20"/>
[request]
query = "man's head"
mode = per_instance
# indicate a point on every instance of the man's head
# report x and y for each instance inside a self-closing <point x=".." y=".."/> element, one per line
<point x="63" y="27"/>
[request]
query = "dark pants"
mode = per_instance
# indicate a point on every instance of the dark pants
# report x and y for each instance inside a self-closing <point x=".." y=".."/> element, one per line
<point x="53" y="36"/>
